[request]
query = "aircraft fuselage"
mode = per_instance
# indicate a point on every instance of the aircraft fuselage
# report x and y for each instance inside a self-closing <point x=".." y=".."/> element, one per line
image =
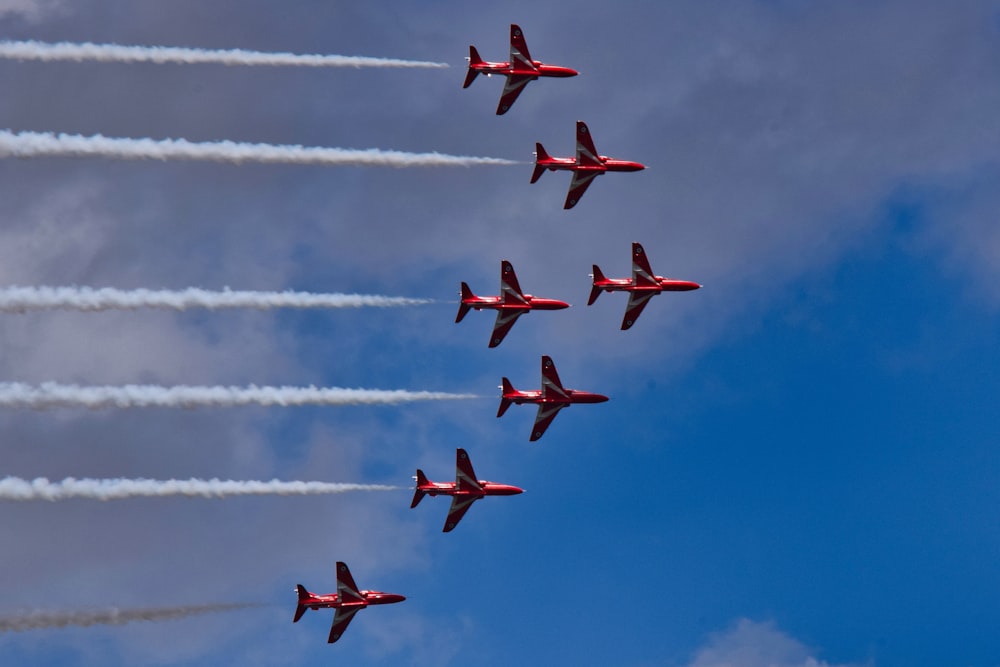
<point x="509" y="69"/>
<point x="571" y="396"/>
<point x="333" y="601"/>
<point x="607" y="164"/>
<point x="488" y="489"/>
<point x="530" y="303"/>
<point x="663" y="285"/>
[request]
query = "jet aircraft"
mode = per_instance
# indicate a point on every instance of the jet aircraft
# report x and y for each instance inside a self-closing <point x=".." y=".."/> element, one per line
<point x="464" y="491"/>
<point x="586" y="166"/>
<point x="641" y="287"/>
<point x="510" y="304"/>
<point x="550" y="399"/>
<point x="348" y="601"/>
<point x="519" y="71"/>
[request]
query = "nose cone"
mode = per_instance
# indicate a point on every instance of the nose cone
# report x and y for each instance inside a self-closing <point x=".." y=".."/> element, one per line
<point x="691" y="285"/>
<point x="634" y="166"/>
<point x="390" y="598"/>
<point x="561" y="71"/>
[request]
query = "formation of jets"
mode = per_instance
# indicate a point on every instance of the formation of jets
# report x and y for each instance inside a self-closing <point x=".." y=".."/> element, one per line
<point x="510" y="304"/>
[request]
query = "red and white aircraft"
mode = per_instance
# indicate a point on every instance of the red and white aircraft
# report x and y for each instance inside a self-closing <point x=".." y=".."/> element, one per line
<point x="552" y="398"/>
<point x="586" y="166"/>
<point x="519" y="71"/>
<point x="348" y="601"/>
<point x="464" y="491"/>
<point x="510" y="305"/>
<point x="641" y="287"/>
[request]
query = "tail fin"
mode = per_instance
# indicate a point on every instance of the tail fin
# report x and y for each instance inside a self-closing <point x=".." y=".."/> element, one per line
<point x="595" y="291"/>
<point x="505" y="402"/>
<point x="540" y="154"/>
<point x="474" y="59"/>
<point x="463" y="308"/>
<point x="301" y="608"/>
<point x="419" y="494"/>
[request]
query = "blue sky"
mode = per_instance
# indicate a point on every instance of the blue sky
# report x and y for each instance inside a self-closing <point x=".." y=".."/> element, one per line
<point x="798" y="464"/>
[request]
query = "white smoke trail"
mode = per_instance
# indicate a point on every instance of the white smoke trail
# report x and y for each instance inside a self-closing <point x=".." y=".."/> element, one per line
<point x="54" y="395"/>
<point x="34" y="50"/>
<point x="22" y="299"/>
<point x="15" y="488"/>
<point x="46" y="144"/>
<point x="37" y="620"/>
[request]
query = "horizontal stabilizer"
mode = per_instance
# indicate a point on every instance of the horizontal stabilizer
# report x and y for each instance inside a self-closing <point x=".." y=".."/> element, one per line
<point x="540" y="154"/>
<point x="301" y="608"/>
<point x="419" y="494"/>
<point x="595" y="291"/>
<point x="463" y="308"/>
<point x="474" y="59"/>
<point x="505" y="402"/>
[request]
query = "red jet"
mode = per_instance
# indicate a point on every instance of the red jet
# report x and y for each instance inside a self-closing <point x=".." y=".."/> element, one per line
<point x="519" y="71"/>
<point x="587" y="165"/>
<point x="550" y="399"/>
<point x="464" y="491"/>
<point x="641" y="287"/>
<point x="348" y="601"/>
<point x="510" y="305"/>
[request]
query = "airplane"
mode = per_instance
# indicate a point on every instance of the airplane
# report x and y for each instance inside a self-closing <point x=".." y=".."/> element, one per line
<point x="464" y="491"/>
<point x="510" y="305"/>
<point x="586" y="166"/>
<point x="348" y="601"/>
<point x="550" y="399"/>
<point x="641" y="287"/>
<point x="519" y="71"/>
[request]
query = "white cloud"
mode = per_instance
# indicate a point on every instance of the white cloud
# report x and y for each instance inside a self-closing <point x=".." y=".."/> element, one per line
<point x="31" y="10"/>
<point x="753" y="644"/>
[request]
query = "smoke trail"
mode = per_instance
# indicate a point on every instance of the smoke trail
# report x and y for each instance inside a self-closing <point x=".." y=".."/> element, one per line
<point x="37" y="620"/>
<point x="43" y="144"/>
<point x="15" y="488"/>
<point x="54" y="395"/>
<point x="33" y="50"/>
<point x="21" y="299"/>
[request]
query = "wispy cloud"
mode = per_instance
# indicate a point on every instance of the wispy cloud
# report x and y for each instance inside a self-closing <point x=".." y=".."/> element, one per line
<point x="753" y="644"/>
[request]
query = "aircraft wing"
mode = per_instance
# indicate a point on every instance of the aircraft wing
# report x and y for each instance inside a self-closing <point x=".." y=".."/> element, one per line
<point x="636" y="302"/>
<point x="581" y="181"/>
<point x="519" y="49"/>
<point x="586" y="153"/>
<point x="642" y="274"/>
<point x="341" y="620"/>
<point x="510" y="288"/>
<point x="465" y="476"/>
<point x="515" y="84"/>
<point x="459" y="506"/>
<point x="347" y="590"/>
<point x="546" y="413"/>
<point x="505" y="320"/>
<point x="551" y="386"/>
